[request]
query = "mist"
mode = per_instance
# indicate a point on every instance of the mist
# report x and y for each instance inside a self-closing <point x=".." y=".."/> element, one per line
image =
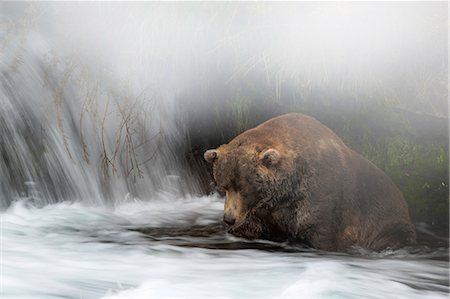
<point x="106" y="110"/>
<point x="170" y="48"/>
<point x="122" y="93"/>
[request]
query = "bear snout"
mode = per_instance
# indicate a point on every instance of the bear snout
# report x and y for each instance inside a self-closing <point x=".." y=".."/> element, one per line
<point x="229" y="219"/>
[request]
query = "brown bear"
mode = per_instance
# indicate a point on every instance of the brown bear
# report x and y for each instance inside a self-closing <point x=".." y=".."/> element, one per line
<point x="292" y="179"/>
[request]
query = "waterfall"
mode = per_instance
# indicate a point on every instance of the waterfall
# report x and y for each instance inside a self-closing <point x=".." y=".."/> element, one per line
<point x="80" y="118"/>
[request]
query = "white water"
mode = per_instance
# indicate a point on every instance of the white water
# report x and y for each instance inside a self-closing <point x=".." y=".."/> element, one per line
<point x="69" y="250"/>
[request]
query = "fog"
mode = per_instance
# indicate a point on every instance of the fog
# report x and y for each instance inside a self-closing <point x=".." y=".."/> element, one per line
<point x="167" y="48"/>
<point x="113" y="89"/>
<point x="106" y="109"/>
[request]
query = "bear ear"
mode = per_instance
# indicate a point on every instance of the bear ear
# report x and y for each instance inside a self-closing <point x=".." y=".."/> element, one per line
<point x="270" y="157"/>
<point x="211" y="155"/>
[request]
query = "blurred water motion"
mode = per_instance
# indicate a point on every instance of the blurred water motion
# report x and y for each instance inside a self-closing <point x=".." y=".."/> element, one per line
<point x="97" y="98"/>
<point x="176" y="247"/>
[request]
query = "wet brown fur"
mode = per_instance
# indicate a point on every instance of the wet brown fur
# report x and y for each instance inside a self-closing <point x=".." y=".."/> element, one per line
<point x="318" y="191"/>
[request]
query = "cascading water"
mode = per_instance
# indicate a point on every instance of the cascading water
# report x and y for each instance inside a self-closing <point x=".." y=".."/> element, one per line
<point x="71" y="129"/>
<point x="96" y="201"/>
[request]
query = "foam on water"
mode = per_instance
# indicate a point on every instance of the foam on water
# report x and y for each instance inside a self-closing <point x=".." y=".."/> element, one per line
<point x="71" y="250"/>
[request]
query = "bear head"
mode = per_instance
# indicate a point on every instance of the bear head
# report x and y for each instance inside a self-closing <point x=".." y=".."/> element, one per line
<point x="254" y="178"/>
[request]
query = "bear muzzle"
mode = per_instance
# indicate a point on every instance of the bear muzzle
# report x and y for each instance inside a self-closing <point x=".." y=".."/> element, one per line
<point x="233" y="208"/>
<point x="229" y="219"/>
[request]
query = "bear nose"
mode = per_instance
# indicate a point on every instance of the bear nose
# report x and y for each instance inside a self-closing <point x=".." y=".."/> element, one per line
<point x="230" y="220"/>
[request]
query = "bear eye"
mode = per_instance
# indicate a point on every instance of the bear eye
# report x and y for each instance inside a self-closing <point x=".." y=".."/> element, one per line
<point x="222" y="189"/>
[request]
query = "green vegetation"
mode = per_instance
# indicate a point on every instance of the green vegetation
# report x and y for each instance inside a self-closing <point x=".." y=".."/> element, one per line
<point x="420" y="169"/>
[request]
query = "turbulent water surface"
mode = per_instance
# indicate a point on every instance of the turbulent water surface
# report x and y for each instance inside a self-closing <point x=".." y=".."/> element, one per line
<point x="177" y="247"/>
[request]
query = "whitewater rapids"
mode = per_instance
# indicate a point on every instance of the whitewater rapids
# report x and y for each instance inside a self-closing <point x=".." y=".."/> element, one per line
<point x="177" y="247"/>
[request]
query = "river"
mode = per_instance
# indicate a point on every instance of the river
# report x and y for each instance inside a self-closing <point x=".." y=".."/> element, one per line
<point x="177" y="248"/>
